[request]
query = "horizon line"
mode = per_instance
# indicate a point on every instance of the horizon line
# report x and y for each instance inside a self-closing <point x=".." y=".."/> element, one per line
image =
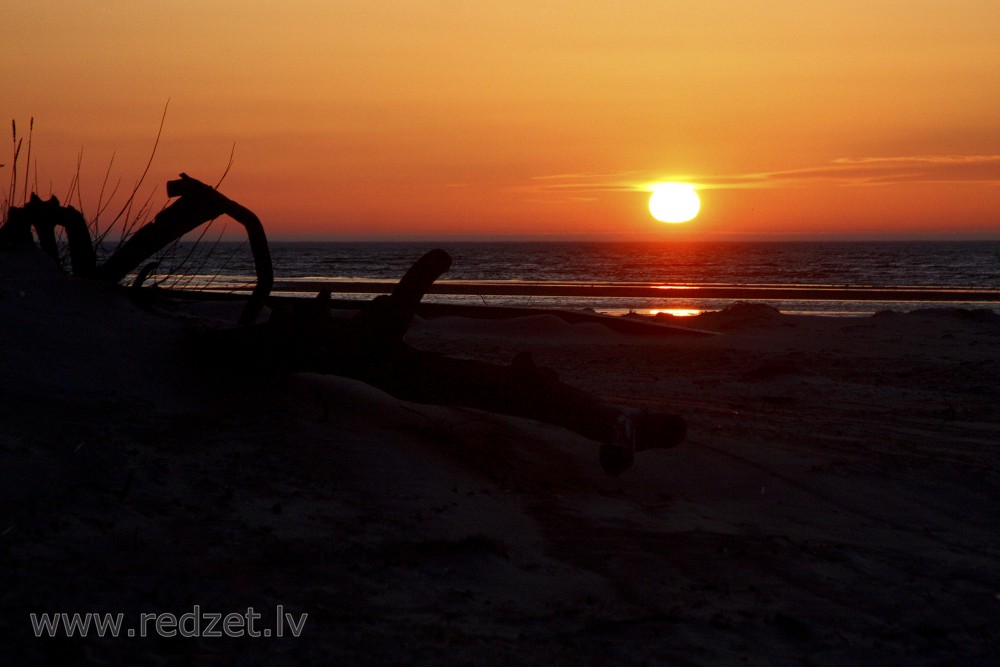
<point x="852" y="237"/>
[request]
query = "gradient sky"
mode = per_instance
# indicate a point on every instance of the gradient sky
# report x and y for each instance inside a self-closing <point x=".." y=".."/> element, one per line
<point x="443" y="117"/>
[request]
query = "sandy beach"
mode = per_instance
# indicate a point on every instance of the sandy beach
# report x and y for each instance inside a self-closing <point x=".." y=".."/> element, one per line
<point x="834" y="502"/>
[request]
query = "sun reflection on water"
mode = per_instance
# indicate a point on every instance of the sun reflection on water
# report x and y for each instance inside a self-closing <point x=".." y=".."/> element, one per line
<point x="676" y="312"/>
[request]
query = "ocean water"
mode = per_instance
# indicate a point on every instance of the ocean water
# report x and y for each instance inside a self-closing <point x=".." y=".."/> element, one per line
<point x="960" y="265"/>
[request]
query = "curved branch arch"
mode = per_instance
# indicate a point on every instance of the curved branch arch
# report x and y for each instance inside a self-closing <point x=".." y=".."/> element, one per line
<point x="196" y="204"/>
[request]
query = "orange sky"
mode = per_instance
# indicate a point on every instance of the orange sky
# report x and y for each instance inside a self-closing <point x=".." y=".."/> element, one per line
<point x="442" y="117"/>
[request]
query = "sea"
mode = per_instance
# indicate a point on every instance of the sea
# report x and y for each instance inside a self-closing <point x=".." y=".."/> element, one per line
<point x="853" y="278"/>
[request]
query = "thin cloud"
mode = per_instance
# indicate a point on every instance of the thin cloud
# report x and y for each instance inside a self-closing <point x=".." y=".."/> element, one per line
<point x="931" y="159"/>
<point x="575" y="188"/>
<point x="868" y="171"/>
<point x="846" y="171"/>
<point x="583" y="183"/>
<point x="585" y="176"/>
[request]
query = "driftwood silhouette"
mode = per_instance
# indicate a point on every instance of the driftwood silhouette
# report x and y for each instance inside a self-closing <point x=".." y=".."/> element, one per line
<point x="304" y="336"/>
<point x="196" y="204"/>
<point x="44" y="217"/>
<point x="370" y="347"/>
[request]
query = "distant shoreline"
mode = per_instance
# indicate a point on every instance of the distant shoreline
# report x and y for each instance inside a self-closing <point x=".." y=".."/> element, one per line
<point x="970" y="236"/>
<point x="835" y="279"/>
<point x="612" y="299"/>
<point x="635" y="290"/>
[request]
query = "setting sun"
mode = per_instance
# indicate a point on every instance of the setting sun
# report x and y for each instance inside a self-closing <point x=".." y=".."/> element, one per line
<point x="674" y="202"/>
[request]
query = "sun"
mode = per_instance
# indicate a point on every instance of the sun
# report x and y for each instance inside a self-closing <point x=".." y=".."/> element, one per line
<point x="674" y="202"/>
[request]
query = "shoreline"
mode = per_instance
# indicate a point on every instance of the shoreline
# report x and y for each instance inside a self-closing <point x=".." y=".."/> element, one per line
<point x="645" y="290"/>
<point x="632" y="298"/>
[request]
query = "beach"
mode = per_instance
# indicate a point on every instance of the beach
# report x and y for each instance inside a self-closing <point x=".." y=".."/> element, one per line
<point x="833" y="502"/>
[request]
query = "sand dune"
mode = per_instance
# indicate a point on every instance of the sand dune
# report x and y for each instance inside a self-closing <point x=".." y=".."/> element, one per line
<point x="834" y="502"/>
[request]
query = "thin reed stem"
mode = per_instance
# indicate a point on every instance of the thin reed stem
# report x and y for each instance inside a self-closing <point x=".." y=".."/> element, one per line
<point x="95" y="224"/>
<point x="13" y="170"/>
<point x="229" y="165"/>
<point x="27" y="168"/>
<point x="127" y="207"/>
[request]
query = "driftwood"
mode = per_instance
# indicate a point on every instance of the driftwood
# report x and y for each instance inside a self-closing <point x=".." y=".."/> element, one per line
<point x="369" y="347"/>
<point x="195" y="205"/>
<point x="44" y="217"/>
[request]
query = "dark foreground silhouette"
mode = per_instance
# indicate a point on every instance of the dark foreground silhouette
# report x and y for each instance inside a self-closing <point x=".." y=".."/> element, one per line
<point x="369" y="347"/>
